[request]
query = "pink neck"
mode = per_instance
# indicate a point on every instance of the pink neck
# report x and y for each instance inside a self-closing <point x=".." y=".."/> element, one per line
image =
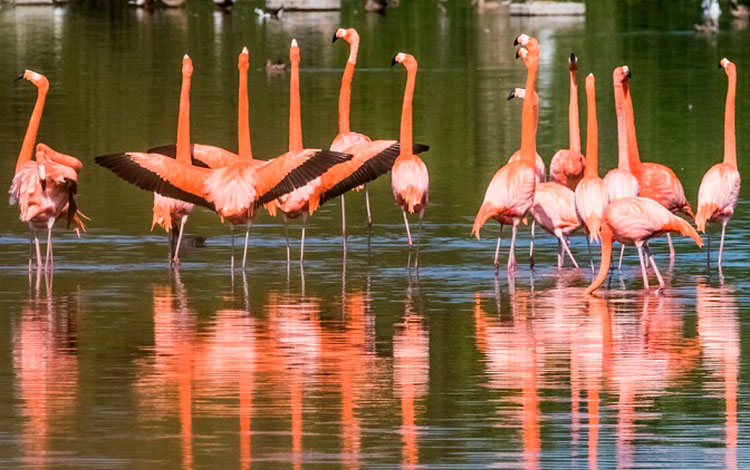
<point x="346" y="89"/>
<point x="243" y="119"/>
<point x="730" y="144"/>
<point x="295" y="114"/>
<point x="634" y="157"/>
<point x="183" y="124"/>
<point x="31" y="131"/>
<point x="528" y="125"/>
<point x="592" y="132"/>
<point x="406" y="110"/>
<point x="622" y="132"/>
<point x="574" y="129"/>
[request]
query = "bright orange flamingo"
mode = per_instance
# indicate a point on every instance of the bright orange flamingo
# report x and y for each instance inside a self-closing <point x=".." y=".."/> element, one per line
<point x="170" y="211"/>
<point x="720" y="187"/>
<point x="45" y="188"/>
<point x="510" y="194"/>
<point x="619" y="181"/>
<point x="554" y="207"/>
<point x="591" y="193"/>
<point x="567" y="165"/>
<point x="409" y="178"/>
<point x="346" y="138"/>
<point x="655" y="181"/>
<point x="634" y="221"/>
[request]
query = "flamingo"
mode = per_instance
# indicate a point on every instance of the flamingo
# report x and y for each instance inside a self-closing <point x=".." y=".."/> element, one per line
<point x="720" y="187"/>
<point x="619" y="181"/>
<point x="539" y="168"/>
<point x="511" y="192"/>
<point x="567" y="165"/>
<point x="655" y="181"/>
<point x="168" y="211"/>
<point x="45" y="188"/>
<point x="634" y="221"/>
<point x="554" y="207"/>
<point x="346" y="138"/>
<point x="409" y="178"/>
<point x="591" y="193"/>
<point x="235" y="190"/>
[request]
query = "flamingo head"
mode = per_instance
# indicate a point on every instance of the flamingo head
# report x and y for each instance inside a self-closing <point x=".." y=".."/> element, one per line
<point x="519" y="93"/>
<point x="39" y="80"/>
<point x="621" y="75"/>
<point x="529" y="59"/>
<point x="727" y="65"/>
<point x="590" y="81"/>
<point x="408" y="60"/>
<point x="294" y="51"/>
<point x="243" y="62"/>
<point x="187" y="67"/>
<point x="349" y="35"/>
<point x="573" y="62"/>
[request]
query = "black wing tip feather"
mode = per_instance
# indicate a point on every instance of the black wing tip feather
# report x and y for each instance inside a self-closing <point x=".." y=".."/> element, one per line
<point x="419" y="148"/>
<point x="122" y="165"/>
<point x="171" y="152"/>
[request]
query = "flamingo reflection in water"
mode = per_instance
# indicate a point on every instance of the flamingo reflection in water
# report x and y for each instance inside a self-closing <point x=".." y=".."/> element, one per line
<point x="719" y="339"/>
<point x="45" y="363"/>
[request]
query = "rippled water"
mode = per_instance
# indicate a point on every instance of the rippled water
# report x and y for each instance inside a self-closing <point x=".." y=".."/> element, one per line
<point x="117" y="363"/>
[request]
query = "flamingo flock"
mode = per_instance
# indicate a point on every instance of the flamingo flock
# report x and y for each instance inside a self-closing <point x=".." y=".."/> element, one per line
<point x="632" y="204"/>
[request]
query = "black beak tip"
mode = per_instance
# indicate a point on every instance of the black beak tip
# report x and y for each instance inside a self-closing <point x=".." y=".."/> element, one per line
<point x="629" y="74"/>
<point x="393" y="61"/>
<point x="334" y="38"/>
<point x="518" y="53"/>
<point x="515" y="42"/>
<point x="511" y="95"/>
<point x="720" y="66"/>
<point x="573" y="58"/>
<point x="19" y="77"/>
<point x="44" y="185"/>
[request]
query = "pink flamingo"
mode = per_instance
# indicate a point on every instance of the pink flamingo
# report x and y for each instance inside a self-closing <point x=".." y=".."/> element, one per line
<point x="591" y="193"/>
<point x="655" y="181"/>
<point x="409" y="178"/>
<point x="720" y="187"/>
<point x="619" y="181"/>
<point x="634" y="221"/>
<point x="169" y="211"/>
<point x="567" y="165"/>
<point x="44" y="189"/>
<point x="554" y="207"/>
<point x="510" y="194"/>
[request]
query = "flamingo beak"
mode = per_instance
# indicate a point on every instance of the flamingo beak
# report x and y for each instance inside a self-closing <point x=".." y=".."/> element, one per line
<point x="511" y="95"/>
<point x="19" y="77"/>
<point x="334" y="38"/>
<point x="394" y="61"/>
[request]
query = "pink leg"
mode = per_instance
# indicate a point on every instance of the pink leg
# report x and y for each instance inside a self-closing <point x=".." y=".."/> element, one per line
<point x="567" y="250"/>
<point x="367" y="204"/>
<point x="622" y="252"/>
<point x="406" y="222"/>
<point x="671" y="248"/>
<point x="302" y="240"/>
<point x="176" y="257"/>
<point x="512" y="256"/>
<point x="531" y="244"/>
<point x="497" y="248"/>
<point x="721" y="243"/>
<point x="49" y="259"/>
<point x="343" y="220"/>
<point x="643" y="267"/>
<point x="247" y="239"/>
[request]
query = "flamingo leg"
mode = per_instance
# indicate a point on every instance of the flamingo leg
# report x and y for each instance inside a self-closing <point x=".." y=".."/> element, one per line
<point x="244" y="251"/>
<point x="176" y="257"/>
<point x="531" y="245"/>
<point x="231" y="231"/>
<point x="38" y="253"/>
<point x="643" y="267"/>
<point x="512" y="257"/>
<point x="622" y="252"/>
<point x="656" y="270"/>
<point x="367" y="205"/>
<point x="591" y="255"/>
<point x="570" y="255"/>
<point x="406" y="222"/>
<point x="497" y="248"/>
<point x="559" y="254"/>
<point x="419" y="239"/>
<point x="721" y="243"/>
<point x="302" y="240"/>
<point x="671" y="247"/>
<point x="31" y="249"/>
<point x="286" y="233"/>
<point x="708" y="251"/>
<point x="343" y="220"/>
<point x="48" y="257"/>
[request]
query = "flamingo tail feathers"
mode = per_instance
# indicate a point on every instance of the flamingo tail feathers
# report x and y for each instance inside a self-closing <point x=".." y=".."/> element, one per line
<point x="484" y="214"/>
<point x="683" y="228"/>
<point x="705" y="211"/>
<point x="594" y="225"/>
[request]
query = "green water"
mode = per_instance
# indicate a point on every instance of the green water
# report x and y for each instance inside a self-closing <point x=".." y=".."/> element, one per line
<point x="115" y="362"/>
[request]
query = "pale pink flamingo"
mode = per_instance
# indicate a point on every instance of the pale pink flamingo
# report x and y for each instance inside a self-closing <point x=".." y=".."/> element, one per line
<point x="655" y="181"/>
<point x="634" y="221"/>
<point x="591" y="193"/>
<point x="510" y="194"/>
<point x="619" y="181"/>
<point x="234" y="191"/>
<point x="409" y="178"/>
<point x="567" y="165"/>
<point x="45" y="188"/>
<point x="170" y="211"/>
<point x="720" y="187"/>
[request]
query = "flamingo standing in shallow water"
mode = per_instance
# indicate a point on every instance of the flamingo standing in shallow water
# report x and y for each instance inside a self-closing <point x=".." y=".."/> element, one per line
<point x="169" y="211"/>
<point x="510" y="194"/>
<point x="619" y="181"/>
<point x="591" y="193"/>
<point x="567" y="165"/>
<point x="409" y="178"/>
<point x="554" y="208"/>
<point x="720" y="187"/>
<point x="44" y="189"/>
<point x="655" y="181"/>
<point x="634" y="221"/>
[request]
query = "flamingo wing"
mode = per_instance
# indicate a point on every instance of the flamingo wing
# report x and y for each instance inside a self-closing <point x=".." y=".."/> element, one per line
<point x="159" y="174"/>
<point x="204" y="156"/>
<point x="659" y="182"/>
<point x="718" y="194"/>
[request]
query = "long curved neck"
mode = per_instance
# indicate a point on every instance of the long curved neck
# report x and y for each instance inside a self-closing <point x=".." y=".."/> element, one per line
<point x="528" y="125"/>
<point x="634" y="157"/>
<point x="31" y="131"/>
<point x="243" y="119"/>
<point x="730" y="144"/>
<point x="406" y="111"/>
<point x="183" y="124"/>
<point x="622" y="131"/>
<point x="606" y="258"/>
<point x="592" y="135"/>
<point x="574" y="129"/>
<point x="295" y="116"/>
<point x="345" y="94"/>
